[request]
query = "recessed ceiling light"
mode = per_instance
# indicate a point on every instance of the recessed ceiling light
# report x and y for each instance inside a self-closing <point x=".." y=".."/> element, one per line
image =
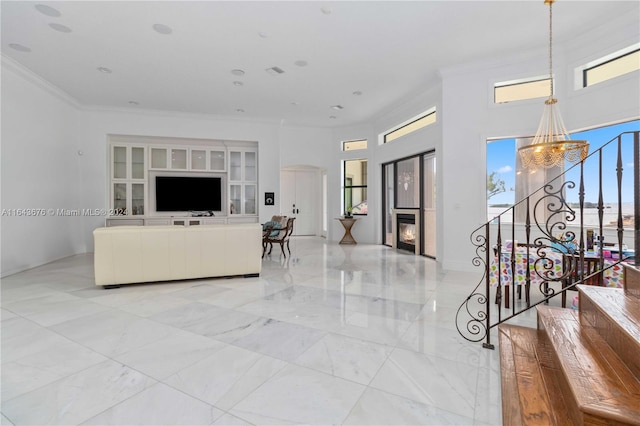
<point x="60" y="27"/>
<point x="274" y="71"/>
<point x="301" y="63"/>
<point x="238" y="83"/>
<point x="357" y="93"/>
<point x="162" y="29"/>
<point x="263" y="34"/>
<point x="333" y="117"/>
<point x="326" y="10"/>
<point x="104" y="70"/>
<point x="240" y="110"/>
<point x="337" y="107"/>
<point x="134" y="103"/>
<point x="294" y="103"/>
<point x="19" y="47"/>
<point x="237" y="72"/>
<point x="47" y="10"/>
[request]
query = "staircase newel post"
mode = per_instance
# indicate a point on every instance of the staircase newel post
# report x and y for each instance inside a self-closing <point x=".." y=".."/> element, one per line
<point x="527" y="230"/>
<point x="487" y="344"/>
<point x="636" y="191"/>
<point x="581" y="200"/>
<point x="619" y="176"/>
<point x="600" y="209"/>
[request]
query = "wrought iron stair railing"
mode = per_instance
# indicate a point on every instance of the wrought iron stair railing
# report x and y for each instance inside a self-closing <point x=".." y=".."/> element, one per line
<point x="533" y="234"/>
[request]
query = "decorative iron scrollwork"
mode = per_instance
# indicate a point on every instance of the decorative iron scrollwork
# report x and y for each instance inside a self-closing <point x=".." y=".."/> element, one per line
<point x="471" y="317"/>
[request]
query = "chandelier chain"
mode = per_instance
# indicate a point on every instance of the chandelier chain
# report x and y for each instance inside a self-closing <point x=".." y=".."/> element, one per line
<point x="551" y="49"/>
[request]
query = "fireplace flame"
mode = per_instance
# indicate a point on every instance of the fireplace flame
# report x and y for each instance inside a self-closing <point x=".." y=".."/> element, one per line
<point x="408" y="234"/>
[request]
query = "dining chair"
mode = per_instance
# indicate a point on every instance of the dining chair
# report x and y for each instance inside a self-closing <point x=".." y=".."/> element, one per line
<point x="575" y="271"/>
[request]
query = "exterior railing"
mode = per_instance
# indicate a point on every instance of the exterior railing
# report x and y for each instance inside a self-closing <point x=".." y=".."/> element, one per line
<point x="544" y="226"/>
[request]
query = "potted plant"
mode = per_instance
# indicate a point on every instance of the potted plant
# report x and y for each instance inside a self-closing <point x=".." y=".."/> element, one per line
<point x="348" y="211"/>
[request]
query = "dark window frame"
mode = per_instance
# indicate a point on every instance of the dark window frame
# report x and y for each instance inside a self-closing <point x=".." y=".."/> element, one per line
<point x="346" y="188"/>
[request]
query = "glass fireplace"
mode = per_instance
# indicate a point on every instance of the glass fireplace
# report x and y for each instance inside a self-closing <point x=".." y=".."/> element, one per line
<point x="406" y="232"/>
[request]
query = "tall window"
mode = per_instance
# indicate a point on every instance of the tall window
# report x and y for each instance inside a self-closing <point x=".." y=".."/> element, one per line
<point x="355" y="186"/>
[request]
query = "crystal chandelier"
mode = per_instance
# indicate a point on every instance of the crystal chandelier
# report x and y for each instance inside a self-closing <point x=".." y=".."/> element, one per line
<point x="552" y="145"/>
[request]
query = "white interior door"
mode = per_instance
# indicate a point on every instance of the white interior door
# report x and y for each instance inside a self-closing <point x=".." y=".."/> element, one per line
<point x="299" y="189"/>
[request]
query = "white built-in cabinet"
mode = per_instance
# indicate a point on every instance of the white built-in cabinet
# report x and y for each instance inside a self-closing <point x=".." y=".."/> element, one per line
<point x="243" y="182"/>
<point x="131" y="164"/>
<point x="128" y="180"/>
<point x="187" y="159"/>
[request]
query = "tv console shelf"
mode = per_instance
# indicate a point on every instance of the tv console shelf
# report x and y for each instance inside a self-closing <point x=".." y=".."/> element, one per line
<point x="179" y="220"/>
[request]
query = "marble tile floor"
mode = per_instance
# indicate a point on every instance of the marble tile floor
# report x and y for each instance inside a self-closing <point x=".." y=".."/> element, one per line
<point x="332" y="335"/>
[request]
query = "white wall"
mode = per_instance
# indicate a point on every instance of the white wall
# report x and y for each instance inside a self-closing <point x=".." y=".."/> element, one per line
<point x="95" y="126"/>
<point x="39" y="170"/>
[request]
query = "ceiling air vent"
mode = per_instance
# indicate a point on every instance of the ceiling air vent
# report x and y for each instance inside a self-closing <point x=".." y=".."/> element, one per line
<point x="274" y="71"/>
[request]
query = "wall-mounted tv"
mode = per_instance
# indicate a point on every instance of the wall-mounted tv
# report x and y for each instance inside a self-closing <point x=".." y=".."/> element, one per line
<point x="188" y="193"/>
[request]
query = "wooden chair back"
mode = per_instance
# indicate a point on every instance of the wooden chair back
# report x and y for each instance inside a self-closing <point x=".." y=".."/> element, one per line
<point x="577" y="270"/>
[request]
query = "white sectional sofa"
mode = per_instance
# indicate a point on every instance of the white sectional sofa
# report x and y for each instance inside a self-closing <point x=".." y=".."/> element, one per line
<point x="137" y="254"/>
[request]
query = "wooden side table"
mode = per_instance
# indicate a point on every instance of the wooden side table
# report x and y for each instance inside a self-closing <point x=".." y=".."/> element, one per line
<point x="347" y="224"/>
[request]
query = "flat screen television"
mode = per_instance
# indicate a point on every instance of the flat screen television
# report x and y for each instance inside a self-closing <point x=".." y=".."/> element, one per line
<point x="183" y="193"/>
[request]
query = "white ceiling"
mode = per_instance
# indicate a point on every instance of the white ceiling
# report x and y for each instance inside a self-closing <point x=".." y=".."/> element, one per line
<point x="386" y="50"/>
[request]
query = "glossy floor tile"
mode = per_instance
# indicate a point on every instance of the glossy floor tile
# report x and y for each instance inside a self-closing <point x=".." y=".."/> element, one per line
<point x="359" y="335"/>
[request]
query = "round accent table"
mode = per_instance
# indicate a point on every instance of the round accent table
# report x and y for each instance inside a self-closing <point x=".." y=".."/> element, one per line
<point x="347" y="224"/>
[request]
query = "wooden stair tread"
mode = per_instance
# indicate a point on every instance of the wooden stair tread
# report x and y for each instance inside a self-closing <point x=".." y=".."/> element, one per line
<point x="601" y="385"/>
<point x="527" y="374"/>
<point x="622" y="308"/>
<point x="615" y="315"/>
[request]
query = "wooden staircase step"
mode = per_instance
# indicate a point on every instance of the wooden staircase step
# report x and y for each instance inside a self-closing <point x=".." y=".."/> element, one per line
<point x="615" y="315"/>
<point x="631" y="280"/>
<point x="531" y="393"/>
<point x="598" y="387"/>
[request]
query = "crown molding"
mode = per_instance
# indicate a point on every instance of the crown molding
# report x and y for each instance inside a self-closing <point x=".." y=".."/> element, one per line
<point x="177" y="114"/>
<point x="24" y="72"/>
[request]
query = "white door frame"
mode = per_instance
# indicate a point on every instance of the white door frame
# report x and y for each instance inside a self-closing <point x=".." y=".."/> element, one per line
<point x="317" y="182"/>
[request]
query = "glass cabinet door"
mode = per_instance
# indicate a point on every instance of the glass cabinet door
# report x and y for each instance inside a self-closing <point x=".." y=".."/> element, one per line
<point x="120" y="198"/>
<point x="119" y="162"/>
<point x="179" y="159"/>
<point x="235" y="196"/>
<point x="128" y="187"/>
<point x="137" y="198"/>
<point x="250" y="167"/>
<point x="217" y="160"/>
<point x="158" y="158"/>
<point x="235" y="166"/>
<point x="250" y="200"/>
<point x="198" y="159"/>
<point x="137" y="163"/>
